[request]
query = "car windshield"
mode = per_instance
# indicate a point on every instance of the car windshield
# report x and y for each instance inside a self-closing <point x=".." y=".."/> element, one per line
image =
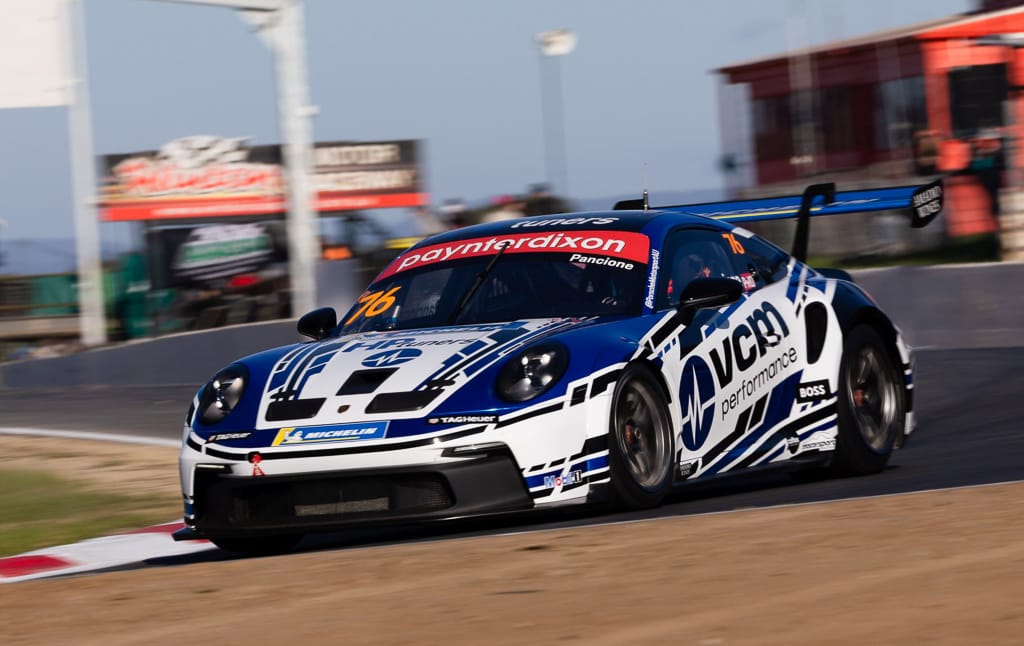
<point x="519" y="286"/>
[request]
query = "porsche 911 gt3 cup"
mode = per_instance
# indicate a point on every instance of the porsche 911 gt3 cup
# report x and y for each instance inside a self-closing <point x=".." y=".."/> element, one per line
<point x="557" y="360"/>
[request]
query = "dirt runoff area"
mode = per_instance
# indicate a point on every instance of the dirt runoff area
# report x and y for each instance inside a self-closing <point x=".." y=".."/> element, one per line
<point x="939" y="568"/>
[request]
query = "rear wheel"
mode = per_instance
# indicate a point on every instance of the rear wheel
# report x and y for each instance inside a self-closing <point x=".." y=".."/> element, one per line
<point x="871" y="404"/>
<point x="640" y="447"/>
<point x="259" y="544"/>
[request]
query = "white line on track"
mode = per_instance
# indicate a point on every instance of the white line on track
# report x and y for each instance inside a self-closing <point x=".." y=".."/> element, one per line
<point x="85" y="435"/>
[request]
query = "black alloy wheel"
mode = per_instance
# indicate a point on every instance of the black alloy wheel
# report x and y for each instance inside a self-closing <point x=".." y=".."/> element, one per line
<point x="641" y="445"/>
<point x="871" y="404"/>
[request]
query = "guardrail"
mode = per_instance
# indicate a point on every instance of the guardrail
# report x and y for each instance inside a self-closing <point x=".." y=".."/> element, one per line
<point x="964" y="306"/>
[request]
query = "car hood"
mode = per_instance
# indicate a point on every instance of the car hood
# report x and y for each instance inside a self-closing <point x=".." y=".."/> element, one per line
<point x="382" y="375"/>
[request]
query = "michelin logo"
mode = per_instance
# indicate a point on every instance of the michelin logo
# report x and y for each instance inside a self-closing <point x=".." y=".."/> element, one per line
<point x="335" y="433"/>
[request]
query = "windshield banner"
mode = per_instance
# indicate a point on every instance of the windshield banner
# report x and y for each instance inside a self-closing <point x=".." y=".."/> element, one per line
<point x="582" y="246"/>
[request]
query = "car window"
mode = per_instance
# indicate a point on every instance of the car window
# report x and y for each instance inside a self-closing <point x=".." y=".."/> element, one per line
<point x="763" y="261"/>
<point x="696" y="253"/>
<point x="518" y="286"/>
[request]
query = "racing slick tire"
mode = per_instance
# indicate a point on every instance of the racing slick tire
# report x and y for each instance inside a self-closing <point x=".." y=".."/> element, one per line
<point x="259" y="544"/>
<point x="641" y="446"/>
<point x="871" y="406"/>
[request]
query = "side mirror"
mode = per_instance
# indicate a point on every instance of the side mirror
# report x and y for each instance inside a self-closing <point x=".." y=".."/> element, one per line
<point x="707" y="292"/>
<point x="318" y="323"/>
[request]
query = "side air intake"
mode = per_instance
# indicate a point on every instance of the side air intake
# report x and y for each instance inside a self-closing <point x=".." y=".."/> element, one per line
<point x="816" y="320"/>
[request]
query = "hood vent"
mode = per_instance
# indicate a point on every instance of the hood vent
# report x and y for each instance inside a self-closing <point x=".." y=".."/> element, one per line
<point x="294" y="409"/>
<point x="362" y="382"/>
<point x="400" y="402"/>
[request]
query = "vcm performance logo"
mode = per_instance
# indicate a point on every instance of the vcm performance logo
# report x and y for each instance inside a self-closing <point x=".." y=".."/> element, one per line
<point x="697" y="393"/>
<point x="390" y="358"/>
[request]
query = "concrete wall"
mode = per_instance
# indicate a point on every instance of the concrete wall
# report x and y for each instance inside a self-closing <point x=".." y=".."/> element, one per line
<point x="965" y="306"/>
<point x="189" y="358"/>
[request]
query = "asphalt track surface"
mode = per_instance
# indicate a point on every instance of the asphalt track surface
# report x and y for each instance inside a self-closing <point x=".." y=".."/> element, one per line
<point x="970" y="404"/>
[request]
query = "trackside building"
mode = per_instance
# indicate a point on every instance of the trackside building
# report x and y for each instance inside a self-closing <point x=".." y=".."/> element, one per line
<point x="940" y="98"/>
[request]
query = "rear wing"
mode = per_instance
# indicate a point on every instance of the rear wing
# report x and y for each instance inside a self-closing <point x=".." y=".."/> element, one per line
<point x="921" y="204"/>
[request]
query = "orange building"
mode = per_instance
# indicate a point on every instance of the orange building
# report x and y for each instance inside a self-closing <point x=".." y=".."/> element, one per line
<point x="937" y="98"/>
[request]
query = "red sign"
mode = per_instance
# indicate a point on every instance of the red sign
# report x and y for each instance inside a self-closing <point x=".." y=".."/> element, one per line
<point x="625" y="245"/>
<point x="203" y="177"/>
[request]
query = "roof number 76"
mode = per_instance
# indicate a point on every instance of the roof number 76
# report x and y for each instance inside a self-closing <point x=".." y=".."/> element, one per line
<point x="737" y="248"/>
<point x="375" y="303"/>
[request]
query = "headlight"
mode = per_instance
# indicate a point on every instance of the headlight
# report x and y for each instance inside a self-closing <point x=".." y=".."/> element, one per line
<point x="221" y="394"/>
<point x="532" y="371"/>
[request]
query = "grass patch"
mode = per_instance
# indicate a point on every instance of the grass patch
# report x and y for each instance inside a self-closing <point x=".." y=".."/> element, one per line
<point x="40" y="509"/>
<point x="978" y="248"/>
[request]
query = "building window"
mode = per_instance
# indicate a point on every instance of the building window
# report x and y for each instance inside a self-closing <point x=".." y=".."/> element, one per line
<point x="976" y="97"/>
<point x="772" y="127"/>
<point x="900" y="111"/>
<point x="837" y="120"/>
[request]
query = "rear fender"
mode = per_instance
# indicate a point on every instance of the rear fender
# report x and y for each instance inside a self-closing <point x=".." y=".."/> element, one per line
<point x="853" y="307"/>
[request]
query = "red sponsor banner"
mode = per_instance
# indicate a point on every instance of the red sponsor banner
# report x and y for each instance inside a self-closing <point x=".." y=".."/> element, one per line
<point x="624" y="245"/>
<point x="206" y="208"/>
<point x="216" y="177"/>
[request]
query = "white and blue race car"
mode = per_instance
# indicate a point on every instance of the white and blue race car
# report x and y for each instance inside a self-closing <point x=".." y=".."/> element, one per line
<point x="557" y="360"/>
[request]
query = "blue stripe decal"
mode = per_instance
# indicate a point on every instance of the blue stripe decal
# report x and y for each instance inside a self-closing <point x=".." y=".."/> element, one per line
<point x="315" y="367"/>
<point x="822" y="427"/>
<point x="779" y="407"/>
<point x="778" y="437"/>
<point x="723" y="317"/>
<point x="593" y="464"/>
<point x="794" y="283"/>
<point x="285" y="367"/>
<point x="771" y="456"/>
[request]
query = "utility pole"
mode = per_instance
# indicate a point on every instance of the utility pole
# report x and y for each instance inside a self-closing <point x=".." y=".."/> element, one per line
<point x="281" y="27"/>
<point x="553" y="46"/>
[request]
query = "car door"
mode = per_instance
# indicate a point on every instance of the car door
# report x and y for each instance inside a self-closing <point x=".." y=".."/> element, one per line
<point x="737" y="365"/>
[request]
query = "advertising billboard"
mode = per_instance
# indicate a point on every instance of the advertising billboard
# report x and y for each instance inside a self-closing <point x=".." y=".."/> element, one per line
<point x="206" y="254"/>
<point x="216" y="177"/>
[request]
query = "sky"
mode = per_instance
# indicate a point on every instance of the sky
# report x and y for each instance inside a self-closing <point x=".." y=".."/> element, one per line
<point x="464" y="76"/>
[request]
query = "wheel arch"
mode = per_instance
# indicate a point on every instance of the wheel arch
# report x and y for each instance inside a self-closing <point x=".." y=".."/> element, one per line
<point x="854" y="307"/>
<point x="659" y="377"/>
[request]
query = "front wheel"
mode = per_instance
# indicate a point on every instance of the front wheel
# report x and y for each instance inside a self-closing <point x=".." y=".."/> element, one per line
<point x="871" y="406"/>
<point x="640" y="447"/>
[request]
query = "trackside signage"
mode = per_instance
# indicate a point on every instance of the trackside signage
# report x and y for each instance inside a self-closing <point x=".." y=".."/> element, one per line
<point x="622" y="245"/>
<point x="216" y="177"/>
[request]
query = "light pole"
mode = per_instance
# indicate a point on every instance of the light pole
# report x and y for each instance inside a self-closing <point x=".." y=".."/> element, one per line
<point x="91" y="315"/>
<point x="281" y="25"/>
<point x="553" y="45"/>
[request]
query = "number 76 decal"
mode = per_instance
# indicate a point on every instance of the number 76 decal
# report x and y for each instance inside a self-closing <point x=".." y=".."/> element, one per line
<point x="375" y="303"/>
<point x="735" y="245"/>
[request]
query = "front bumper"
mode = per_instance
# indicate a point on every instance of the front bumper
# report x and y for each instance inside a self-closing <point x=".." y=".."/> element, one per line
<point x="230" y="505"/>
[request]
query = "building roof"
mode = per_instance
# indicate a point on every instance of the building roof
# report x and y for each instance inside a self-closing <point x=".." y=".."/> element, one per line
<point x="921" y="30"/>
